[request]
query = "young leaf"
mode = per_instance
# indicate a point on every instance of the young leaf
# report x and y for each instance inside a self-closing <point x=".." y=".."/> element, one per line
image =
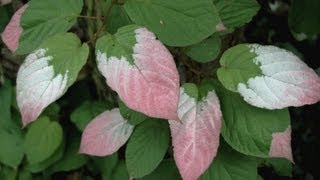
<point x="205" y="51"/>
<point x="147" y="147"/>
<point x="252" y="130"/>
<point x="235" y="13"/>
<point x="268" y="77"/>
<point x="196" y="139"/>
<point x="175" y="22"/>
<point x="141" y="70"/>
<point x="42" y="139"/>
<point x="105" y="134"/>
<point x="230" y="165"/>
<point x="11" y="34"/>
<point x="46" y="73"/>
<point x="43" y="19"/>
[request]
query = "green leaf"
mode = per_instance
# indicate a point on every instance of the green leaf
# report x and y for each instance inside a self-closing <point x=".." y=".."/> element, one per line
<point x="175" y="22"/>
<point x="11" y="151"/>
<point x="119" y="44"/>
<point x="133" y="117"/>
<point x="304" y="16"/>
<point x="71" y="159"/>
<point x="117" y="19"/>
<point x="283" y="167"/>
<point x="235" y="13"/>
<point x="237" y="66"/>
<point x="230" y="165"/>
<point x="7" y="173"/>
<point x="45" y="18"/>
<point x="166" y="170"/>
<point x="191" y="90"/>
<point x="248" y="129"/>
<point x="205" y="51"/>
<point x="147" y="147"/>
<point x="11" y="137"/>
<point x="5" y="103"/>
<point x="69" y="55"/>
<point x="105" y="165"/>
<point x="24" y="174"/>
<point x="42" y="139"/>
<point x="87" y="111"/>
<point x="43" y="165"/>
<point x="120" y="171"/>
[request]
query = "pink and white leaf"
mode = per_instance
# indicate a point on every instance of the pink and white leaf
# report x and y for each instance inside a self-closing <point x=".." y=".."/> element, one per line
<point x="10" y="36"/>
<point x="105" y="134"/>
<point x="151" y="84"/>
<point x="196" y="138"/>
<point x="286" y="80"/>
<point x="37" y="85"/>
<point x="281" y="145"/>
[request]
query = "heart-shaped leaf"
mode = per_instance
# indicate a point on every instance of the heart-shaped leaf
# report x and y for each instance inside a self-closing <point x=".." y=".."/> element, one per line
<point x="42" y="139"/>
<point x="46" y="73"/>
<point x="196" y="139"/>
<point x="141" y="70"/>
<point x="268" y="77"/>
<point x="105" y="134"/>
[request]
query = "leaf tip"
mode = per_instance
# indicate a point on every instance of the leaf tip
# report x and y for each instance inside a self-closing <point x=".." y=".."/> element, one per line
<point x="11" y="34"/>
<point x="281" y="145"/>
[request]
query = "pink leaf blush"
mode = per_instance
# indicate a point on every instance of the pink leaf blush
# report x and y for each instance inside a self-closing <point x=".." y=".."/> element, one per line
<point x="220" y="27"/>
<point x="151" y="84"/>
<point x="38" y="85"/>
<point x="281" y="145"/>
<point x="11" y="34"/>
<point x="286" y="80"/>
<point x="196" y="139"/>
<point x="105" y="134"/>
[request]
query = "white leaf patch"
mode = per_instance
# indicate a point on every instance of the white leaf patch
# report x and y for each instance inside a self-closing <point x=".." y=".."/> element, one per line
<point x="37" y="85"/>
<point x="286" y="80"/>
<point x="195" y="140"/>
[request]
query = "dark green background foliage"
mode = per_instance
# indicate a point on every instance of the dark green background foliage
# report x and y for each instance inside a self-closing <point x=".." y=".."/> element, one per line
<point x="48" y="148"/>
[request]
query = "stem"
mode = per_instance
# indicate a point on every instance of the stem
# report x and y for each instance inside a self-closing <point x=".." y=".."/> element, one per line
<point x="91" y="17"/>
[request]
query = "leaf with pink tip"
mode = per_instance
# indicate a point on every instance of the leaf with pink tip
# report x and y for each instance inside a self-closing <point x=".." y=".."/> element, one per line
<point x="11" y="34"/>
<point x="105" y="134"/>
<point x="268" y="77"/>
<point x="196" y="138"/>
<point x="281" y="145"/>
<point x="46" y="74"/>
<point x="250" y="130"/>
<point x="141" y="70"/>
